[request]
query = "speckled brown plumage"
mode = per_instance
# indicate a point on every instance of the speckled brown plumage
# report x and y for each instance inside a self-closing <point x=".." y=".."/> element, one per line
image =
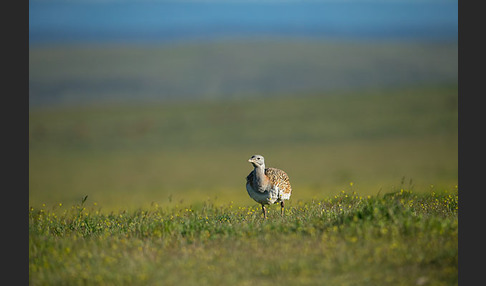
<point x="277" y="178"/>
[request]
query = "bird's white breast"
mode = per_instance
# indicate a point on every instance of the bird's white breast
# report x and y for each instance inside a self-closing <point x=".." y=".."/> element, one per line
<point x="267" y="197"/>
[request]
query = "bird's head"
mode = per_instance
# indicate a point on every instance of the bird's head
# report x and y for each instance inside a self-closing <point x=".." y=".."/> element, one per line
<point x="257" y="161"/>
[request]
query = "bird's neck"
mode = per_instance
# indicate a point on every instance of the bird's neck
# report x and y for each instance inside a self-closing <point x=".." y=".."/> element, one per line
<point x="260" y="176"/>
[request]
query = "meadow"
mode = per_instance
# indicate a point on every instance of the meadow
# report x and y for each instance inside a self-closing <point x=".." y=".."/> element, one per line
<point x="154" y="194"/>
<point x="397" y="238"/>
<point x="130" y="156"/>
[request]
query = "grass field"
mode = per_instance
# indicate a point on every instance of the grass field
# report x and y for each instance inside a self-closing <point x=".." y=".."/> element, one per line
<point x="400" y="238"/>
<point x="127" y="157"/>
<point x="374" y="177"/>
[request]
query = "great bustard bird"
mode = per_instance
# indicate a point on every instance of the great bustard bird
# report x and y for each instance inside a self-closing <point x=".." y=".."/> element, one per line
<point x="267" y="185"/>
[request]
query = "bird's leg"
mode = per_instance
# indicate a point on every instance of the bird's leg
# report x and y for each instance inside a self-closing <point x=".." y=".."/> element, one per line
<point x="282" y="207"/>
<point x="264" y="211"/>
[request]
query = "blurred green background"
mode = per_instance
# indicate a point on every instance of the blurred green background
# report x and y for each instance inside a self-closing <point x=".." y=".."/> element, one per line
<point x="126" y="154"/>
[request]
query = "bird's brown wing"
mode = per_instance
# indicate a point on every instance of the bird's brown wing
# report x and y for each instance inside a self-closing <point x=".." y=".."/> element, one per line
<point x="280" y="179"/>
